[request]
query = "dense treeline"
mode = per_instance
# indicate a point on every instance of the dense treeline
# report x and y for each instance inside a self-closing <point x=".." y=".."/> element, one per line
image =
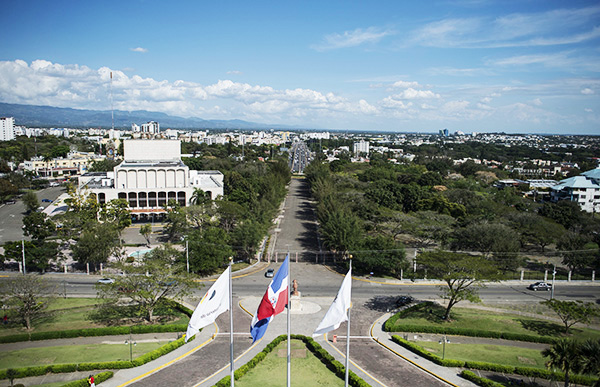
<point x="377" y="207"/>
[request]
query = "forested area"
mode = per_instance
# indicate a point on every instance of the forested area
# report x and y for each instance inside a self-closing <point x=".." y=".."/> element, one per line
<point x="373" y="210"/>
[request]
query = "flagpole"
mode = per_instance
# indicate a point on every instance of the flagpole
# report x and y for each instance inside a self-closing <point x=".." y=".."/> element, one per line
<point x="289" y="342"/>
<point x="348" y="328"/>
<point x="231" y="324"/>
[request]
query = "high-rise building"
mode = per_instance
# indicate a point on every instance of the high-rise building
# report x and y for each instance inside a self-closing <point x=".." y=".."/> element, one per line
<point x="361" y="147"/>
<point x="151" y="127"/>
<point x="7" y="128"/>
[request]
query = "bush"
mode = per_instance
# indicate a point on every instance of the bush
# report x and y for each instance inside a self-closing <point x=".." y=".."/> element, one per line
<point x="101" y="377"/>
<point x="479" y="380"/>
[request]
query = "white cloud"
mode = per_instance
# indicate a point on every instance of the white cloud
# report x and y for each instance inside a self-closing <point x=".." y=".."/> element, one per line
<point x="554" y="27"/>
<point x="405" y="85"/>
<point x="588" y="110"/>
<point x="587" y="91"/>
<point x="352" y="38"/>
<point x="537" y="102"/>
<point x="139" y="49"/>
<point x="411" y="93"/>
<point x="234" y="72"/>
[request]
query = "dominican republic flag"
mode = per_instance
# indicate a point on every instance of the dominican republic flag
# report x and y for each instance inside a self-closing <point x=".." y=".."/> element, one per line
<point x="273" y="302"/>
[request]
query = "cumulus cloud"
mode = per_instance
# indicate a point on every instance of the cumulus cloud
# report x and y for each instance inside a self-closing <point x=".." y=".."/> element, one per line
<point x="537" y="102"/>
<point x="139" y="49"/>
<point x="405" y="85"/>
<point x="587" y="91"/>
<point x="46" y="83"/>
<point x="411" y="93"/>
<point x="351" y="38"/>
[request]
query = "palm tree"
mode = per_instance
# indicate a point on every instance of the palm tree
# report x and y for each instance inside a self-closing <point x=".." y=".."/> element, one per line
<point x="564" y="354"/>
<point x="199" y="197"/>
<point x="590" y="358"/>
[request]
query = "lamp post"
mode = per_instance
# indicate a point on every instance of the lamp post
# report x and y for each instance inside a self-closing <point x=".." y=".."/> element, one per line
<point x="552" y="288"/>
<point x="443" y="342"/>
<point x="131" y="344"/>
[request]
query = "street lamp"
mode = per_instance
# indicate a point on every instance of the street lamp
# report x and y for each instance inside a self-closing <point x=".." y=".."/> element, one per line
<point x="131" y="344"/>
<point x="443" y="342"/>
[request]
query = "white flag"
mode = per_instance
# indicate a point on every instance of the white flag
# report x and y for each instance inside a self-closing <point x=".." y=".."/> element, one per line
<point x="214" y="302"/>
<point x="338" y="311"/>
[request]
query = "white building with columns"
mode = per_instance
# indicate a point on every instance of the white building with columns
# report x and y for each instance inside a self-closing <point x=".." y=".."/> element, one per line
<point x="151" y="175"/>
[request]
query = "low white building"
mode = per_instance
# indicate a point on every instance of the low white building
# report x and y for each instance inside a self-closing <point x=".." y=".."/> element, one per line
<point x="583" y="189"/>
<point x="151" y="175"/>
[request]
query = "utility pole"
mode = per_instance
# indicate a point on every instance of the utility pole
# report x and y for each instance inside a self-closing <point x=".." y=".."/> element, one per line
<point x="552" y="288"/>
<point x="23" y="249"/>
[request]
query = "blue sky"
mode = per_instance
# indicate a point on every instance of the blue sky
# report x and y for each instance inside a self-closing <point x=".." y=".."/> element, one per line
<point x="469" y="65"/>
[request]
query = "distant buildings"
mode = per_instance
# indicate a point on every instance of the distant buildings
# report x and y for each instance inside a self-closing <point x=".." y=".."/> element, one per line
<point x="7" y="128"/>
<point x="75" y="163"/>
<point x="360" y="147"/>
<point x="583" y="189"/>
<point x="150" y="127"/>
<point x="151" y="175"/>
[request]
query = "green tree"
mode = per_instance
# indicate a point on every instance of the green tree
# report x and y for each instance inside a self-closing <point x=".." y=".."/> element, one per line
<point x="28" y="296"/>
<point x="97" y="243"/>
<point x="572" y="312"/>
<point x="117" y="212"/>
<point x="38" y="254"/>
<point x="145" y="231"/>
<point x="463" y="274"/>
<point x="159" y="277"/>
<point x="576" y="252"/>
<point x="7" y="189"/>
<point x="199" y="197"/>
<point x="105" y="165"/>
<point x="175" y="223"/>
<point x="341" y="231"/>
<point x="564" y="355"/>
<point x="209" y="250"/>
<point x="381" y="255"/>
<point x="38" y="226"/>
<point x="31" y="201"/>
<point x="246" y="237"/>
<point x="59" y="151"/>
<point x="590" y="358"/>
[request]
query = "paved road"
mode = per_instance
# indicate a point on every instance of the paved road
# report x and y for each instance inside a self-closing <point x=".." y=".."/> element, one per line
<point x="11" y="215"/>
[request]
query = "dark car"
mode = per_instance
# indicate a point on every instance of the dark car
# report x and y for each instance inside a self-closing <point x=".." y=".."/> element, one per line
<point x="539" y="286"/>
<point x="404" y="300"/>
<point x="46" y="201"/>
<point x="270" y="273"/>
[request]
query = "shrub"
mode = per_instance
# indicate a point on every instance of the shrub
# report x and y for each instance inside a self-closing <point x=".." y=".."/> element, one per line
<point x="479" y="380"/>
<point x="101" y="377"/>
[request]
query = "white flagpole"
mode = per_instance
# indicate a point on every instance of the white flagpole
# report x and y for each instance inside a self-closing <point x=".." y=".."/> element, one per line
<point x="348" y="331"/>
<point x="289" y="342"/>
<point x="231" y="324"/>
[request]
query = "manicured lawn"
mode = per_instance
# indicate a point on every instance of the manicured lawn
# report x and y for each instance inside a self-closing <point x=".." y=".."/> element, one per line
<point x="491" y="321"/>
<point x="72" y="354"/>
<point x="306" y="369"/>
<point x="71" y="313"/>
<point x="499" y="354"/>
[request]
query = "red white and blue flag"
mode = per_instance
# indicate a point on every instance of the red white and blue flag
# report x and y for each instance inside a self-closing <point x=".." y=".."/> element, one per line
<point x="273" y="302"/>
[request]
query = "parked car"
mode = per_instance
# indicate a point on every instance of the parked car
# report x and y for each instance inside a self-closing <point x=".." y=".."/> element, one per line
<point x="539" y="286"/>
<point x="10" y="202"/>
<point x="46" y="201"/>
<point x="270" y="273"/>
<point x="106" y="281"/>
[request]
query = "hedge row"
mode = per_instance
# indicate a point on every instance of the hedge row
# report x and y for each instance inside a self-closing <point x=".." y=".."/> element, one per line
<point x="524" y="371"/>
<point x="390" y="326"/>
<point x="101" y="377"/>
<point x="478" y="380"/>
<point x="62" y="368"/>
<point x="109" y="331"/>
<point x="329" y="361"/>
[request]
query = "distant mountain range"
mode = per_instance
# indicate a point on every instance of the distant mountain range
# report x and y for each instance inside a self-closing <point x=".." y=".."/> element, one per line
<point x="48" y="116"/>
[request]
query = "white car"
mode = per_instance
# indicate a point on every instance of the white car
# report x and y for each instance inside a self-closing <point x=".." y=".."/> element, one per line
<point x="106" y="281"/>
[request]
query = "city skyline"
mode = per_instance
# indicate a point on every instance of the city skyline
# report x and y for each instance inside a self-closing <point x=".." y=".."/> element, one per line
<point x="465" y="65"/>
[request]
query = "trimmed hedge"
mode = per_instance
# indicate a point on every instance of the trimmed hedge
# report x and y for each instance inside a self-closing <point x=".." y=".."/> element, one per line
<point x="101" y="377"/>
<point x="90" y="366"/>
<point x="389" y="326"/>
<point x="478" y="380"/>
<point x="329" y="361"/>
<point x="524" y="371"/>
<point x="109" y="331"/>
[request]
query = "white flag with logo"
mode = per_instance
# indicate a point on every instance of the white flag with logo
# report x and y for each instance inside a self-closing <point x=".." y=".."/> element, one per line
<point x="338" y="311"/>
<point x="214" y="302"/>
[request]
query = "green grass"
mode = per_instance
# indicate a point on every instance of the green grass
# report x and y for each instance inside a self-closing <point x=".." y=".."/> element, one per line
<point x="490" y="321"/>
<point x="72" y="354"/>
<point x="498" y="354"/>
<point x="306" y="369"/>
<point x="73" y="313"/>
<point x="55" y="384"/>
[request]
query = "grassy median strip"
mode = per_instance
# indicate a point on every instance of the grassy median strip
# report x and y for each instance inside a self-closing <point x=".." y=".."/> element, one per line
<point x="73" y="354"/>
<point x="306" y="369"/>
<point x="499" y="354"/>
<point x="427" y="317"/>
